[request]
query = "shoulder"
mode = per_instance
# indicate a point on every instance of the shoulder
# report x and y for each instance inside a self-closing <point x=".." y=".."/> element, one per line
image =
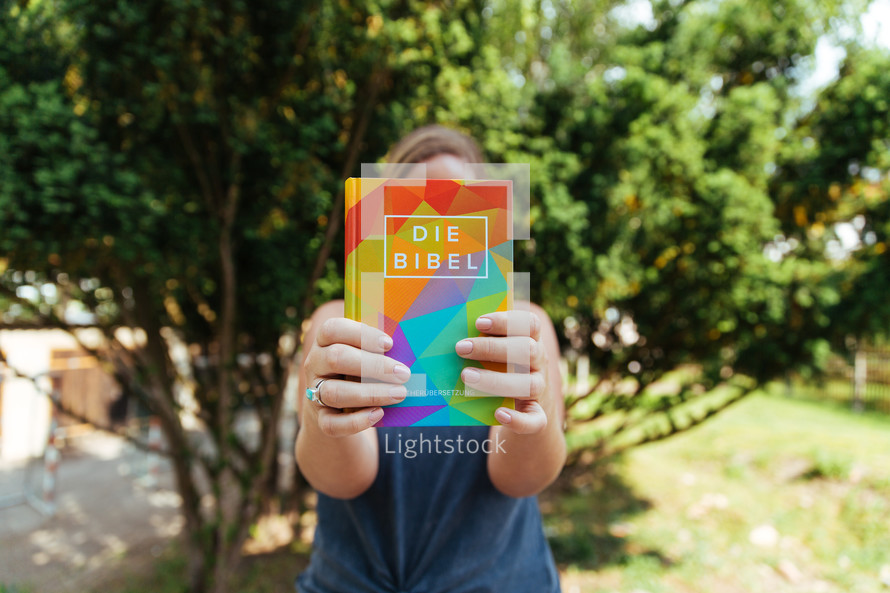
<point x="329" y="310"/>
<point x="548" y="332"/>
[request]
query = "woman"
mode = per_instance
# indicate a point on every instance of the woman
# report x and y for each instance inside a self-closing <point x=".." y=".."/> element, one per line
<point x="438" y="520"/>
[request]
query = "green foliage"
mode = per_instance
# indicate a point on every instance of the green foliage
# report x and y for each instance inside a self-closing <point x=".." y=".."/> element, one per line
<point x="846" y="177"/>
<point x="684" y="241"/>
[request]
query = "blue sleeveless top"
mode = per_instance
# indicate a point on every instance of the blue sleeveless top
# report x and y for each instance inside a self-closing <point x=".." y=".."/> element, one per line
<point x="432" y="522"/>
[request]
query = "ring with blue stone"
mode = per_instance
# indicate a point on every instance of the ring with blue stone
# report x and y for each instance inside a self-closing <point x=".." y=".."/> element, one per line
<point x="313" y="394"/>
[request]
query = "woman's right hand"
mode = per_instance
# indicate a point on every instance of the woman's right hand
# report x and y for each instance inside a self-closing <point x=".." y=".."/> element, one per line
<point x="358" y="377"/>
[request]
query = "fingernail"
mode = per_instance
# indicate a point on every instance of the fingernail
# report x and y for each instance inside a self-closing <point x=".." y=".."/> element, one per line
<point x="464" y="347"/>
<point x="398" y="393"/>
<point x="375" y="415"/>
<point x="503" y="416"/>
<point x="401" y="371"/>
<point x="483" y="323"/>
<point x="385" y="342"/>
<point x="470" y="376"/>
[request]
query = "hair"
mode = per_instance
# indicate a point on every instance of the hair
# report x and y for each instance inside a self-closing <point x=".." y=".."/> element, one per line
<point x="429" y="141"/>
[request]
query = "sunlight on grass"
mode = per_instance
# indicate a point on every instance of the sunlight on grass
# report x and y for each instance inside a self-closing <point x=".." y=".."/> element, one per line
<point x="773" y="495"/>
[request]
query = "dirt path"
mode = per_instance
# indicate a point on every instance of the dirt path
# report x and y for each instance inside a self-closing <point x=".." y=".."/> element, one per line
<point x="106" y="509"/>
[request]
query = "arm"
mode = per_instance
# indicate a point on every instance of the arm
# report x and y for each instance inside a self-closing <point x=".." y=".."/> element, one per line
<point x="336" y="449"/>
<point x="533" y="447"/>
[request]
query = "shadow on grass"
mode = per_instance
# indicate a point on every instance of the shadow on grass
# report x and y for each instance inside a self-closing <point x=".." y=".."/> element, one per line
<point x="270" y="572"/>
<point x="12" y="589"/>
<point x="586" y="516"/>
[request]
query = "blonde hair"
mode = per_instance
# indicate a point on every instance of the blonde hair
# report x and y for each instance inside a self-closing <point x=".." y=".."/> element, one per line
<point x="429" y="141"/>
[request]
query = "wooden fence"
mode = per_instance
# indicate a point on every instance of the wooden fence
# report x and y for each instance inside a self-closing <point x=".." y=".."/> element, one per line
<point x="864" y="382"/>
<point x="871" y="379"/>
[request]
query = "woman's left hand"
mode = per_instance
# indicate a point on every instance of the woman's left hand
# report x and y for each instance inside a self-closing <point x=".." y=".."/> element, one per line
<point x="514" y="338"/>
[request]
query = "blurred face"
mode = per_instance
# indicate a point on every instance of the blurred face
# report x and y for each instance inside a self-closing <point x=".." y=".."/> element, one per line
<point x="442" y="166"/>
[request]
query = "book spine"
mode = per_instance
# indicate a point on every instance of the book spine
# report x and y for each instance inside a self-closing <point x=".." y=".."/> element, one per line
<point x="353" y="236"/>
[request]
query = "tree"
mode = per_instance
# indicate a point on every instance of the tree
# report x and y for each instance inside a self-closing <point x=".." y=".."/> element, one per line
<point x="662" y="237"/>
<point x="176" y="167"/>
<point x="835" y="172"/>
<point x="141" y="178"/>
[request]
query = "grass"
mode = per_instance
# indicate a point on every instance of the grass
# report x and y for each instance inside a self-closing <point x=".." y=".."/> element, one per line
<point x="775" y="494"/>
<point x="273" y="572"/>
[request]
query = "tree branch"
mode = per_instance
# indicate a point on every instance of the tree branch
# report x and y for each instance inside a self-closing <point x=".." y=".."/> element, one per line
<point x="694" y="421"/>
<point x="356" y="137"/>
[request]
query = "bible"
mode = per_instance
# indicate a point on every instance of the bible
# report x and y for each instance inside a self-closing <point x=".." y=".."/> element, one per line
<point x="424" y="259"/>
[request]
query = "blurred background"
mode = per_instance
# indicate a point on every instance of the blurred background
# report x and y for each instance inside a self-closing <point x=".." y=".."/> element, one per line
<point x="709" y="234"/>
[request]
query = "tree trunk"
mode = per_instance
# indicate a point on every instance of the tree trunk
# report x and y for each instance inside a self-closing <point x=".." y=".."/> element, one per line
<point x="197" y="573"/>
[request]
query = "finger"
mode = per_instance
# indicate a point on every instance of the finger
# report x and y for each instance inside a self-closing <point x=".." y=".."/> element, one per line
<point x="341" y="359"/>
<point x="510" y="323"/>
<point x="354" y="394"/>
<point x="336" y="423"/>
<point x="523" y="351"/>
<point x="527" y="419"/>
<point x="482" y="382"/>
<point x="340" y="330"/>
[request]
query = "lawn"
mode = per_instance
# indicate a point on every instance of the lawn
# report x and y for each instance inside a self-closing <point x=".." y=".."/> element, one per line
<point x="774" y="495"/>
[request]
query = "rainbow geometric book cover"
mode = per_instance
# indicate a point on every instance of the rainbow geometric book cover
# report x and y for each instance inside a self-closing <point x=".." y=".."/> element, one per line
<point x="424" y="259"/>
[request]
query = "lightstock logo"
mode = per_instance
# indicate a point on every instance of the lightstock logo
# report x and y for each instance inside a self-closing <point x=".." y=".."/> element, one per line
<point x="412" y="446"/>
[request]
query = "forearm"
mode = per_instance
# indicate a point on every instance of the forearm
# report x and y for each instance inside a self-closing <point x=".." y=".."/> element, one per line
<point x="527" y="463"/>
<point x="341" y="467"/>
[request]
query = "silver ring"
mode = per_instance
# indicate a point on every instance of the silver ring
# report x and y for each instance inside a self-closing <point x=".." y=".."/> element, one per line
<point x="313" y="394"/>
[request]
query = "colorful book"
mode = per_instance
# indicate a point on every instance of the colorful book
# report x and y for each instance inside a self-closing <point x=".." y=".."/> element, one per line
<point x="424" y="259"/>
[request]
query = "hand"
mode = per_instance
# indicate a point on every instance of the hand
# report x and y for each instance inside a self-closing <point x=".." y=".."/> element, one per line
<point x="359" y="378"/>
<point x="512" y="337"/>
